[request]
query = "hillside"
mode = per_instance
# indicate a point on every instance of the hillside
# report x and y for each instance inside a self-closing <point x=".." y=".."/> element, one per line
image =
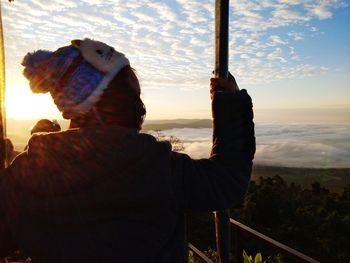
<point x="177" y="123"/>
<point x="335" y="179"/>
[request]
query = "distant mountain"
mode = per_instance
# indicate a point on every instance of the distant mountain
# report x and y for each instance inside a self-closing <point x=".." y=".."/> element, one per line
<point x="177" y="123"/>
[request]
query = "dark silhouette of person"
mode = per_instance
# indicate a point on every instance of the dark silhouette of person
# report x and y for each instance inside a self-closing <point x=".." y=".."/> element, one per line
<point x="101" y="191"/>
<point x="45" y="125"/>
<point x="11" y="153"/>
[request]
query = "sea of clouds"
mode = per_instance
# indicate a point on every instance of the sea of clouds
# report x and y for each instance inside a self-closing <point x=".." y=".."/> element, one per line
<point x="292" y="145"/>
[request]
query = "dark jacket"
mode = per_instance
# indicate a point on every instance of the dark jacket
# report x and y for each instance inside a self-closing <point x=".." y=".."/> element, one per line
<point x="110" y="194"/>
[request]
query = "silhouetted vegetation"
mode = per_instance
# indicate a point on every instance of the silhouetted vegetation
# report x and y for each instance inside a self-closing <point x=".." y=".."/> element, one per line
<point x="334" y="179"/>
<point x="176" y="144"/>
<point x="314" y="221"/>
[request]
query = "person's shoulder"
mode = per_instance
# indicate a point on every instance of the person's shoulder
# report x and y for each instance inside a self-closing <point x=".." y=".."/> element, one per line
<point x="44" y="137"/>
<point x="51" y="140"/>
<point x="153" y="140"/>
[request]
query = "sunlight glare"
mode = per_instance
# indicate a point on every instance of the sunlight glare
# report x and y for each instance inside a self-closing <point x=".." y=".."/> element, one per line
<point x="22" y="104"/>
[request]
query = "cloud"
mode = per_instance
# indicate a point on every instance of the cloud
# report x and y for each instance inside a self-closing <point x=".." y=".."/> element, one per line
<point x="172" y="42"/>
<point x="285" y="16"/>
<point x="275" y="40"/>
<point x="260" y="54"/>
<point x="164" y="12"/>
<point x="296" y="35"/>
<point x="69" y="20"/>
<point x="321" y="11"/>
<point x="294" y="145"/>
<point x="54" y="5"/>
<point x="291" y="2"/>
<point x="303" y="145"/>
<point x="297" y="154"/>
<point x="204" y="10"/>
<point x="95" y="2"/>
<point x="276" y="55"/>
<point x="198" y="150"/>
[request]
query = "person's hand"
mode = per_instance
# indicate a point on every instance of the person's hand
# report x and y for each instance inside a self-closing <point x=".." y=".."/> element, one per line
<point x="223" y="85"/>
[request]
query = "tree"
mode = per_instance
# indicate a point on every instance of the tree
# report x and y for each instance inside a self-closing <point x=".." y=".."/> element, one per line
<point x="176" y="143"/>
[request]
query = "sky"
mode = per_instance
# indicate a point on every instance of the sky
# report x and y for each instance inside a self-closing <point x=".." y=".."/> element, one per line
<point x="292" y="56"/>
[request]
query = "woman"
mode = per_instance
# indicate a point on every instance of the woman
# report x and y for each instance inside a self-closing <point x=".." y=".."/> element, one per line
<point x="102" y="191"/>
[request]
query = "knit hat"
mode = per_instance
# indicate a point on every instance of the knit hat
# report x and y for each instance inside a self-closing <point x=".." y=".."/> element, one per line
<point x="75" y="75"/>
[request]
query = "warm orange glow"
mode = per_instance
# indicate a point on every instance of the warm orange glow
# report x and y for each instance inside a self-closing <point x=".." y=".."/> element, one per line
<point x="22" y="104"/>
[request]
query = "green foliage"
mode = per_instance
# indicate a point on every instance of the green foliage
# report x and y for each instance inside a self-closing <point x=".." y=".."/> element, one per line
<point x="257" y="259"/>
<point x="314" y="221"/>
<point x="190" y="257"/>
<point x="212" y="255"/>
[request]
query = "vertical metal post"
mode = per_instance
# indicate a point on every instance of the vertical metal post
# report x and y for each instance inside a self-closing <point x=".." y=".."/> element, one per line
<point x="221" y="38"/>
<point x="2" y="99"/>
<point x="238" y="247"/>
<point x="222" y="218"/>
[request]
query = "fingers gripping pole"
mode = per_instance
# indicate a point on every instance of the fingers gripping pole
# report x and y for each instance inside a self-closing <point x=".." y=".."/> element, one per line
<point x="222" y="218"/>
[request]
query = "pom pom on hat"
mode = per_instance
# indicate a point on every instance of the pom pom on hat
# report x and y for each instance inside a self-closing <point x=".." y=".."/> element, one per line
<point x="31" y="63"/>
<point x="75" y="75"/>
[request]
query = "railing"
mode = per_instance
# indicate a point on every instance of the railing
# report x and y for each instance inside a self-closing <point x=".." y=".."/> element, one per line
<point x="239" y="230"/>
<point x="197" y="254"/>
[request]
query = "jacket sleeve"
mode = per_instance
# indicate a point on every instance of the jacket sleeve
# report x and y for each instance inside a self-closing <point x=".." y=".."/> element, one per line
<point x="221" y="181"/>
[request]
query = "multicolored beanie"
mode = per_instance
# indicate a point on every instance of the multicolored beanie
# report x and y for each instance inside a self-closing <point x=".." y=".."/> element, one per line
<point x="75" y="75"/>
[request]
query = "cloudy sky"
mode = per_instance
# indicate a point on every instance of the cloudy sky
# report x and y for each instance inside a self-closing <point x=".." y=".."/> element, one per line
<point x="289" y="54"/>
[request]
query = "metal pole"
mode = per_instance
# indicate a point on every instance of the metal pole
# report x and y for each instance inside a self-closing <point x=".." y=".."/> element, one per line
<point x="221" y="38"/>
<point x="238" y="246"/>
<point x="2" y="99"/>
<point x="222" y="218"/>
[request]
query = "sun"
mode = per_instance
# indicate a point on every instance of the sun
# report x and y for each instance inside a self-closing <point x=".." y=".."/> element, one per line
<point x="21" y="103"/>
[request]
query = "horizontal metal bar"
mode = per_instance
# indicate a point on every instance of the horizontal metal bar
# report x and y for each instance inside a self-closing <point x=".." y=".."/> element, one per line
<point x="199" y="253"/>
<point x="292" y="252"/>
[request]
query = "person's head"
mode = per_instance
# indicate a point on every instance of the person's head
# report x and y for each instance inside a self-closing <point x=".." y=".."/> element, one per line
<point x="119" y="104"/>
<point x="90" y="83"/>
<point x="45" y="125"/>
